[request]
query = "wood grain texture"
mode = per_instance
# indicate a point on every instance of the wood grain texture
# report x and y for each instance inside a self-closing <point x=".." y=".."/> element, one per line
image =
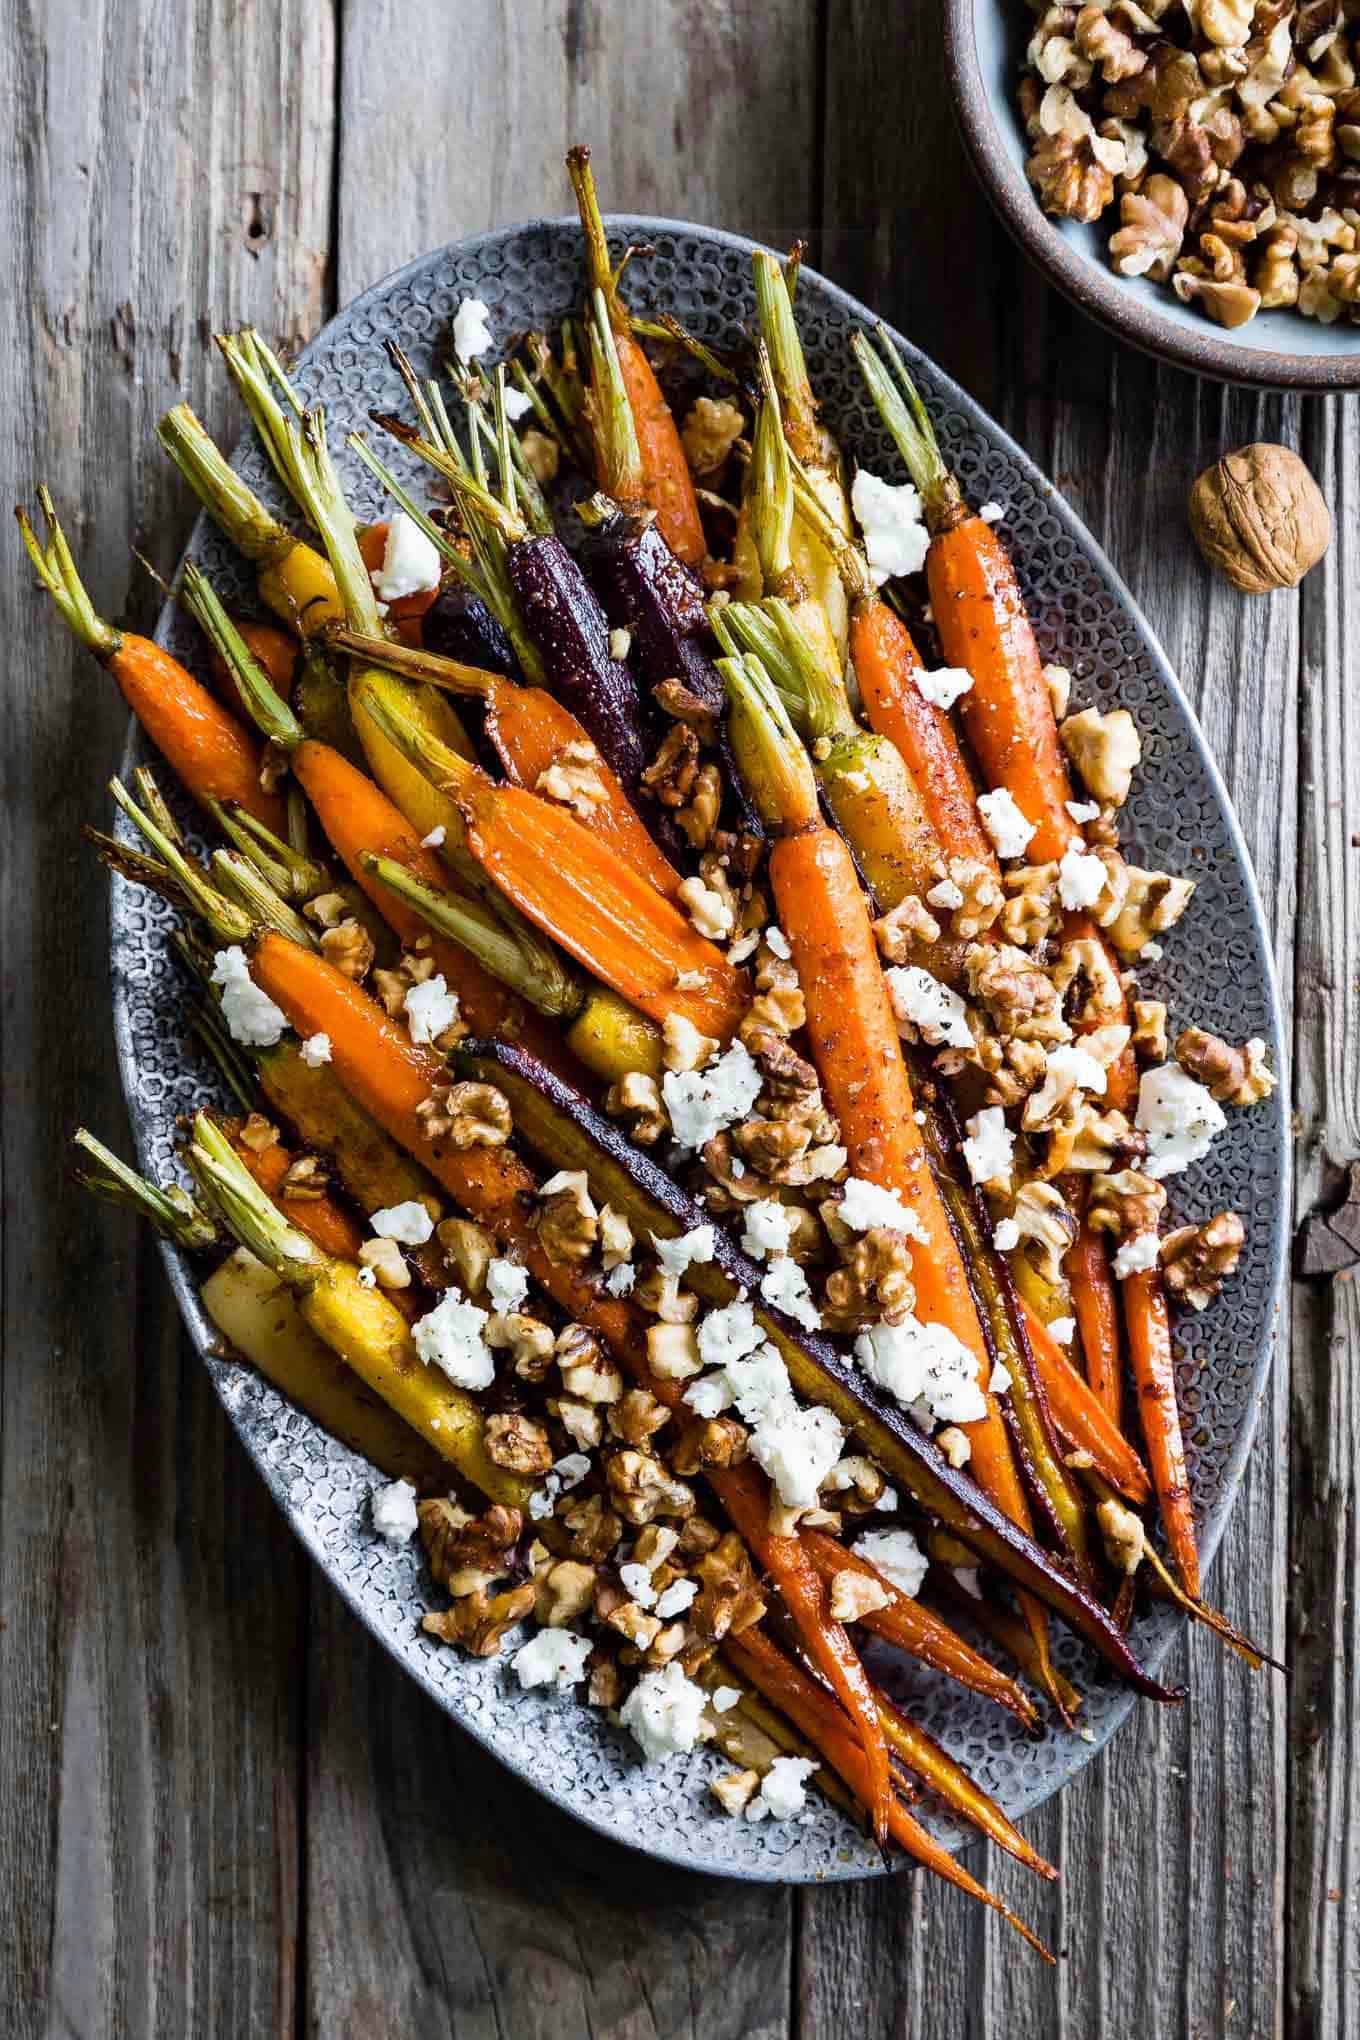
<point x="149" y="1677"/>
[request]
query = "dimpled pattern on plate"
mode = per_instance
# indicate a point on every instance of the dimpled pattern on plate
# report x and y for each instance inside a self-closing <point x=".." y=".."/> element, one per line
<point x="1216" y="971"/>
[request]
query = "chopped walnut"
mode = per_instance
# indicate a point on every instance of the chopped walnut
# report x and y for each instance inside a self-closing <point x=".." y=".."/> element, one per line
<point x="467" y="1551"/>
<point x="640" y="1488"/>
<point x="1087" y="982"/>
<point x="348" y="947"/>
<point x="527" y="1339"/>
<point x="735" y="1790"/>
<point x="632" y="1623"/>
<point x="874" y="1283"/>
<point x="574" y="778"/>
<point x="683" y="1047"/>
<point x="616" y="1238"/>
<point x="1032" y="911"/>
<point x="1154" y="902"/>
<point x="591" y="1528"/>
<point x="581" y="1421"/>
<point x="729" y="1599"/>
<point x="606" y="1681"/>
<point x="709" y="912"/>
<point x="327" y="910"/>
<point x="1109" y="47"/>
<point x="1276" y="274"/>
<point x="588" y="1373"/>
<point x="1154" y="220"/>
<point x="697" y="1537"/>
<point x="637" y="1416"/>
<point x="671" y="775"/>
<point x="636" y="1097"/>
<point x="1123" y="1534"/>
<point x="1231" y="304"/>
<point x="568" y="1222"/>
<point x="715" y="1441"/>
<point x="1087" y="1140"/>
<point x="1047" y="1227"/>
<point x="257" y="1134"/>
<point x="904" y="931"/>
<point x="1017" y="997"/>
<point x="854" y="1595"/>
<point x="982" y="898"/>
<point x="778" y="1007"/>
<point x="468" y="1249"/>
<point x="518" y="1444"/>
<point x="478" y="1115"/>
<point x="681" y="704"/>
<point x="711" y="429"/>
<point x="1149" y="1030"/>
<point x="564" y="1592"/>
<point x="1235" y="1076"/>
<point x="660" y="1294"/>
<point x="1126" y="1204"/>
<point x="387" y="1261"/>
<point x="1105" y="749"/>
<point x="1197" y="1259"/>
<point x="698" y="817"/>
<point x="673" y="1351"/>
<point x="306" y="1178"/>
<point x="854" y="1485"/>
<point x="480" y="1620"/>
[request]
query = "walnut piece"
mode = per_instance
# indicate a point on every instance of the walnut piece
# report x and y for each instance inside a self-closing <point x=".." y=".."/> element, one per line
<point x="1070" y="182"/>
<point x="873" y="1283"/>
<point x="564" y="1591"/>
<point x="469" y="1250"/>
<point x="1153" y="903"/>
<point x="348" y="946"/>
<point x="591" y="1527"/>
<point x="1197" y="1259"/>
<point x="1047" y="1227"/>
<point x="1152" y="230"/>
<point x="735" y="1790"/>
<point x="640" y="1488"/>
<point x="480" y="1620"/>
<point x="387" y="1261"/>
<point x="527" y="1339"/>
<point x="854" y="1595"/>
<point x="1123" y="1534"/>
<point x="1234" y="1076"/>
<point x="517" y="1443"/>
<point x="711" y="428"/>
<point x="1260" y="518"/>
<point x="568" y="1222"/>
<point x="729" y="1600"/>
<point x="1105" y="750"/>
<point x="637" y="1416"/>
<point x="478" y="1115"/>
<point x="671" y="775"/>
<point x="468" y="1551"/>
<point x="1126" y="1205"/>
<point x="574" y="778"/>
<point x="1149" y="1030"/>
<point x="637" y="1098"/>
<point x="709" y="913"/>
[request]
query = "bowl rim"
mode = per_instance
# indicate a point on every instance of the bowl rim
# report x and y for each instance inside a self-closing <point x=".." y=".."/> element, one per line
<point x="1095" y="290"/>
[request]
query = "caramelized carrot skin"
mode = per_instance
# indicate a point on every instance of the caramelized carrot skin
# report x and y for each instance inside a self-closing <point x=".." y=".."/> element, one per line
<point x="886" y="663"/>
<point x="1080" y="1417"/>
<point x="667" y="481"/>
<point x="327" y="1224"/>
<point x="270" y="647"/>
<point x="983" y="625"/>
<point x="1086" y="1265"/>
<point x="1147" y="1324"/>
<point x="214" y="756"/>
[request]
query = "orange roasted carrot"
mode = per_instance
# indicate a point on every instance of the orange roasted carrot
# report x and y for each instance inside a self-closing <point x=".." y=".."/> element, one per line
<point x="1082" y="1419"/>
<point x="213" y="755"/>
<point x="277" y="651"/>
<point x="815" y="1714"/>
<point x="577" y="889"/>
<point x="327" y="1224"/>
<point x="1086" y="1265"/>
<point x="661" y="473"/>
<point x="925" y="1758"/>
<point x="532" y="732"/>
<point x="914" y="1628"/>
<point x="1147" y="1325"/>
<point x="405" y="613"/>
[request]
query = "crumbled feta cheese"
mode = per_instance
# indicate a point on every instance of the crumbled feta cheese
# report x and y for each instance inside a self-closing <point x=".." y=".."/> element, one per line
<point x="471" y="329"/>
<point x="252" y="1017"/>
<point x="551" y="1657"/>
<point x="946" y="895"/>
<point x="921" y="999"/>
<point x="990" y="1146"/>
<point x="992" y="513"/>
<point x="864" y="1205"/>
<point x="571" y="1469"/>
<point x="759" y="1383"/>
<point x="637" y="1584"/>
<point x="897" y="1555"/>
<point x="450" y="1337"/>
<point x="943" y="687"/>
<point x="676" y="1598"/>
<point x="368" y="1278"/>
<point x="316" y="1050"/>
<point x="1005" y="824"/>
<point x="1152" y="952"/>
<point x="704" y="1102"/>
<point x="430" y="1009"/>
<point x="969" y="1579"/>
<point x="619" y="1281"/>
<point x="1179" y="1118"/>
<point x="518" y="404"/>
<point x="777" y="940"/>
<point x="797" y="1448"/>
<point x="709" y="1396"/>
<point x="895" y="538"/>
<point x="408" y="1223"/>
<point x="926" y="1367"/>
<point x="1081" y="878"/>
<point x="410" y="561"/>
<point x="665" y="1713"/>
<point x="435" y="839"/>
<point x="676" y="1255"/>
<point x="782" y="1791"/>
<point x="1001" y="1379"/>
<point x="785" y="1285"/>
<point x="1083" y="810"/>
<point x="1137" y="1254"/>
<point x="768" y="1227"/>
<point x="1071" y="1061"/>
<point x="1062" y="1329"/>
<point x="1006" y="1235"/>
<point x="543" y="1499"/>
<point x="725" y="1698"/>
<point x="507" y="1284"/>
<point x="394" y="1512"/>
<point x="727" y="1334"/>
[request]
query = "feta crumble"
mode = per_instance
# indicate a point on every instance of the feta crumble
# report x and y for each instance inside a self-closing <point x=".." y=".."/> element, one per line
<point x="676" y="1598"/>
<point x="864" y="1205"/>
<point x="394" y="1512"/>
<point x="435" y="839"/>
<point x="1137" y="1254"/>
<point x="551" y="1657"/>
<point x="729" y="1333"/>
<point x="897" y="1555"/>
<point x="1062" y="1329"/>
<point x="785" y="1285"/>
<point x="1081" y="878"/>
<point x="1083" y="810"/>
<point x="677" y="1255"/>
<point x="430" y="1010"/>
<point x="768" y="1227"/>
<point x="926" y="1368"/>
<point x="946" y="895"/>
<point x="518" y="404"/>
<point x="571" y="1469"/>
<point x="471" y="329"/>
<point x="252" y="1017"/>
<point x="409" y="1224"/>
<point x="1069" y="1059"/>
<point x="969" y="1579"/>
<point x="507" y="1284"/>
<point x="1011" y="834"/>
<point x="921" y="999"/>
<point x="1001" y="1379"/>
<point x="704" y="1102"/>
<point x="637" y="1584"/>
<point x="782" y="1791"/>
<point x="759" y="1383"/>
<point x="777" y="941"/>
<point x="709" y="1396"/>
<point x="664" y="1713"/>
<point x="943" y="687"/>
<point x="992" y="513"/>
<point x="990" y="1147"/>
<point x="410" y="561"/>
<point x="1006" y="1235"/>
<point x="725" y="1698"/>
<point x="619" y="1281"/>
<point x="316" y="1050"/>
<point x="450" y="1337"/>
<point x="889" y="515"/>
<point x="1178" y="1116"/>
<point x="797" y="1448"/>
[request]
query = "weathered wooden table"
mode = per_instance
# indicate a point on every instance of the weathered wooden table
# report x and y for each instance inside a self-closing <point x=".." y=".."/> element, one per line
<point x="221" y="1810"/>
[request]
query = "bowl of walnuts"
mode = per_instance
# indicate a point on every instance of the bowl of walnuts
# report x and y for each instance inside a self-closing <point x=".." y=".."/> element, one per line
<point x="1188" y="171"/>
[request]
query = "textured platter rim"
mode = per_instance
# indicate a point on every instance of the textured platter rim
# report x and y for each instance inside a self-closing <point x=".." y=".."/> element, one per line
<point x="1128" y="308"/>
<point x="224" y="1373"/>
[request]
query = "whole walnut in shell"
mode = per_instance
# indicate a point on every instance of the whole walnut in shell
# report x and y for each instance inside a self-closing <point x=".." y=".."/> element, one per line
<point x="1259" y="517"/>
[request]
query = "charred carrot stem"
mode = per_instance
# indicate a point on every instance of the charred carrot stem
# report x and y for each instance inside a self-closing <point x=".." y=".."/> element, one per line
<point x="1147" y="1325"/>
<point x="214" y="756"/>
<point x="1081" y="1417"/>
<point x="1095" y="1304"/>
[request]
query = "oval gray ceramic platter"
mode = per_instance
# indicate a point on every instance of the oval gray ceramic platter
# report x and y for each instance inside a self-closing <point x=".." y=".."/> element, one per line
<point x="984" y="51"/>
<point x="1216" y="971"/>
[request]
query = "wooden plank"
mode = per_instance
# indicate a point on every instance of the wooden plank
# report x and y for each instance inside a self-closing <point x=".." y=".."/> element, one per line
<point x="1172" y="1846"/>
<point x="150" y="1599"/>
<point x="1324" y="1954"/>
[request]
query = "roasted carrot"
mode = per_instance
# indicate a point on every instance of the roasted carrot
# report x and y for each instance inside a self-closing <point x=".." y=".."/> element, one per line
<point x="662" y="473"/>
<point x="273" y="649"/>
<point x="914" y="1628"/>
<point x="579" y="891"/>
<point x="405" y="613"/>
<point x="1081" y="1418"/>
<point x="213" y="755"/>
<point x="926" y="1760"/>
<point x="327" y="1224"/>
<point x="1147" y="1326"/>
<point x="814" y="1713"/>
<point x="1095" y="1305"/>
